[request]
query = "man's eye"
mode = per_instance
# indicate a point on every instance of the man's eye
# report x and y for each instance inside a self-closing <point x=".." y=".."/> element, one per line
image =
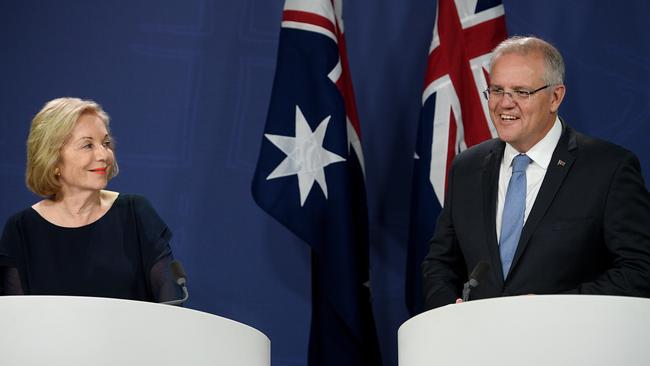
<point x="522" y="93"/>
<point x="496" y="91"/>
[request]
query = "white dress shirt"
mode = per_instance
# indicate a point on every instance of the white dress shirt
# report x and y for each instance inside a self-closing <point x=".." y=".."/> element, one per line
<point x="540" y="154"/>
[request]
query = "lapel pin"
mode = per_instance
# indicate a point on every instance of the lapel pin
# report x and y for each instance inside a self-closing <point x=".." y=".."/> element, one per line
<point x="561" y="162"/>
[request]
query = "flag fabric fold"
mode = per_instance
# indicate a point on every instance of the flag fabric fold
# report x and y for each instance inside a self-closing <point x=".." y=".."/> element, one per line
<point x="454" y="116"/>
<point x="309" y="177"/>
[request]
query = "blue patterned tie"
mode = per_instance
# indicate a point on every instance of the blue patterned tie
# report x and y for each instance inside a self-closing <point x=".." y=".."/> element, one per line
<point x="513" y="212"/>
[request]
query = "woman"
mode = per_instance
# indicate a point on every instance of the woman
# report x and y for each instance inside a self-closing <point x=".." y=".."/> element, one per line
<point x="81" y="239"/>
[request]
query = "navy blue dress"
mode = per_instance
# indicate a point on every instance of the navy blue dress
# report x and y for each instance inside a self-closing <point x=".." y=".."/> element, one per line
<point x="125" y="254"/>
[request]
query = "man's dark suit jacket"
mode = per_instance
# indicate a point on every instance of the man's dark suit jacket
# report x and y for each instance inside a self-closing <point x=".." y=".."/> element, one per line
<point x="588" y="231"/>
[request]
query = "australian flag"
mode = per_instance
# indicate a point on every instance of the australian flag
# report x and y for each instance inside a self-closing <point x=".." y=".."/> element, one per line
<point x="454" y="115"/>
<point x="310" y="178"/>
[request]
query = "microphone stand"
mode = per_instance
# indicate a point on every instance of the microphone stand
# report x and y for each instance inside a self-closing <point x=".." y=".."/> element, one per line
<point x="181" y="280"/>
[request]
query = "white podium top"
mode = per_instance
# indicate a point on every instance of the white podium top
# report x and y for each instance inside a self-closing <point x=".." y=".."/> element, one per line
<point x="71" y="331"/>
<point x="530" y="330"/>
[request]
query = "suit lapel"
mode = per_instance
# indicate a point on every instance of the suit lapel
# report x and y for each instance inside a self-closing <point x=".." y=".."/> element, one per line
<point x="558" y="169"/>
<point x="489" y="185"/>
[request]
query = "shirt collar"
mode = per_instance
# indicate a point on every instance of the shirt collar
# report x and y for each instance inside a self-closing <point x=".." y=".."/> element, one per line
<point x="542" y="151"/>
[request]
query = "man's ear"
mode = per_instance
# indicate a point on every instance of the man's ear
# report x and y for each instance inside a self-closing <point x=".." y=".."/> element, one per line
<point x="557" y="97"/>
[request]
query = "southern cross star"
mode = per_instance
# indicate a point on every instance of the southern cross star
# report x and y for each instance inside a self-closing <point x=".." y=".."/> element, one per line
<point x="306" y="156"/>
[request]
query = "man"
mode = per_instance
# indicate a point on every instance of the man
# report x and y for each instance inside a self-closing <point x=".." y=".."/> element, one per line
<point x="549" y="209"/>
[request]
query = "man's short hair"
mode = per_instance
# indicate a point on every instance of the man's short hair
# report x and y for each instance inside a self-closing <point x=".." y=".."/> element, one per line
<point x="553" y="61"/>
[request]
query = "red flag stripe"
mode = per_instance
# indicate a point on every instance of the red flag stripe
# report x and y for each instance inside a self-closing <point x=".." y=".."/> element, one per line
<point x="451" y="143"/>
<point x="309" y="18"/>
<point x="483" y="37"/>
<point x="344" y="85"/>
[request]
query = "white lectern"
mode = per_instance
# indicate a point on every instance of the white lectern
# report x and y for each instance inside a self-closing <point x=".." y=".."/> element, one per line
<point x="530" y="330"/>
<point x="75" y="331"/>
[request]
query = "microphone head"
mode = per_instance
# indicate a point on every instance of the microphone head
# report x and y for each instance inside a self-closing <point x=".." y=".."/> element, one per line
<point x="178" y="272"/>
<point x="479" y="271"/>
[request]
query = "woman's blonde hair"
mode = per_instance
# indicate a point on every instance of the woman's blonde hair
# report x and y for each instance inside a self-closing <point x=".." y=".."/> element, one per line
<point x="50" y="129"/>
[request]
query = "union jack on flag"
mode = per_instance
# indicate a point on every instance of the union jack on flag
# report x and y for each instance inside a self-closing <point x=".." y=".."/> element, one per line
<point x="454" y="115"/>
<point x="309" y="177"/>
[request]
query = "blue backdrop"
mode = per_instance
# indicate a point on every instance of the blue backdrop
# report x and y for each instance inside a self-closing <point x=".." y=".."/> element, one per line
<point x="187" y="85"/>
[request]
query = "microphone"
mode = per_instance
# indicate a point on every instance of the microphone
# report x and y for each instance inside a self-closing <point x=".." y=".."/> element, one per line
<point x="181" y="280"/>
<point x="474" y="278"/>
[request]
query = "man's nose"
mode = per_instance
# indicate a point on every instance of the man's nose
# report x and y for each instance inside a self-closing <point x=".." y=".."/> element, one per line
<point x="508" y="99"/>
